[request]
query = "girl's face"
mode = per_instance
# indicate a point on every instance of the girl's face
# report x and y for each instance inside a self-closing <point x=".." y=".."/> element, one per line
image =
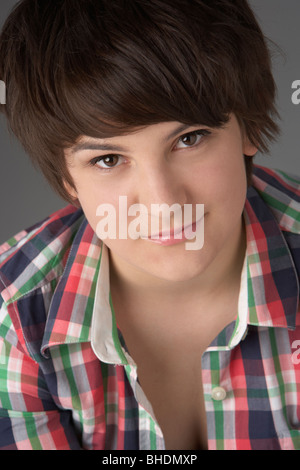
<point x="166" y="163"/>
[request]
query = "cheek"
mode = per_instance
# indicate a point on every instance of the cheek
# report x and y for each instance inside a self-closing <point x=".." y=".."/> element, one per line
<point x="231" y="198"/>
<point x="91" y="196"/>
<point x="222" y="183"/>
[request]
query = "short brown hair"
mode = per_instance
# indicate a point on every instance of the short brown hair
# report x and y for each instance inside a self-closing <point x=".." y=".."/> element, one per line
<point x="102" y="68"/>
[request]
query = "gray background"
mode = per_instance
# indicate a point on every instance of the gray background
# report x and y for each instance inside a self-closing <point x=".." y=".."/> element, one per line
<point x="25" y="195"/>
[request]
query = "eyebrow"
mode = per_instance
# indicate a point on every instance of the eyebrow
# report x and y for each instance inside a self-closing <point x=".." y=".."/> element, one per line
<point x="92" y="145"/>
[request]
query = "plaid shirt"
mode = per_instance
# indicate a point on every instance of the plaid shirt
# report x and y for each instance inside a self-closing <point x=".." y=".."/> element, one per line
<point x="66" y="378"/>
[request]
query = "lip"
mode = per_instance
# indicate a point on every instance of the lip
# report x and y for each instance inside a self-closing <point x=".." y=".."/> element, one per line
<point x="168" y="238"/>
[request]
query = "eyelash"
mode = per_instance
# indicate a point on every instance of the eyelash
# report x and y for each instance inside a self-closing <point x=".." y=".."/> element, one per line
<point x="201" y="132"/>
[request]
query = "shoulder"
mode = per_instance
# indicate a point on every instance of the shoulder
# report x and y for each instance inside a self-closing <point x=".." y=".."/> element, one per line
<point x="37" y="255"/>
<point x="281" y="192"/>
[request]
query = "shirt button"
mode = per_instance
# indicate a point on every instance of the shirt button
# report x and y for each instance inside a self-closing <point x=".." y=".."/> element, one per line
<point x="218" y="393"/>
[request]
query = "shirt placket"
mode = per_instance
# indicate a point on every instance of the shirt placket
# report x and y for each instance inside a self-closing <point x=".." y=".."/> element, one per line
<point x="150" y="433"/>
<point x="218" y="400"/>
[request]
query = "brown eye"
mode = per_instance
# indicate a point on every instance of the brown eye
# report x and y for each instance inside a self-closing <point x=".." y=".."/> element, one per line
<point x="111" y="160"/>
<point x="192" y="139"/>
<point x="106" y="162"/>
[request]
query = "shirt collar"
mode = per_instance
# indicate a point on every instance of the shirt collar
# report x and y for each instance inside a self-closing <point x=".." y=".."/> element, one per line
<point x="70" y="313"/>
<point x="81" y="309"/>
<point x="105" y="337"/>
<point x="273" y="287"/>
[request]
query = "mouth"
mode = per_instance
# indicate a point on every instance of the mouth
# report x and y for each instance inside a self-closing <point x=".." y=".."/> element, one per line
<point x="174" y="236"/>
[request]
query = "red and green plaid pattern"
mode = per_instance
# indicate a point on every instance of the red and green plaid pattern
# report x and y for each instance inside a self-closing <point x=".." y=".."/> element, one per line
<point x="66" y="378"/>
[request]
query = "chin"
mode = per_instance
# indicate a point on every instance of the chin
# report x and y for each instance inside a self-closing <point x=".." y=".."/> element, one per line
<point x="179" y="272"/>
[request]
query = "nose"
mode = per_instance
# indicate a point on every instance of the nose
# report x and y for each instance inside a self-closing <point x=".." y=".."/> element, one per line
<point x="161" y="193"/>
<point x="160" y="183"/>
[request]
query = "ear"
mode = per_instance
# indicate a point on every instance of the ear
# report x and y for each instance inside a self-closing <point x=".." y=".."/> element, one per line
<point x="249" y="149"/>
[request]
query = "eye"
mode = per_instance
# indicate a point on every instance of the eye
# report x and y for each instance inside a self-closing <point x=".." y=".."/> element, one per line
<point x="192" y="139"/>
<point x="107" y="161"/>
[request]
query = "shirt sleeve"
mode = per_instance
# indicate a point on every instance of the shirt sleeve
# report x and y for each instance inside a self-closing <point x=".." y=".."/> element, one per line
<point x="29" y="418"/>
